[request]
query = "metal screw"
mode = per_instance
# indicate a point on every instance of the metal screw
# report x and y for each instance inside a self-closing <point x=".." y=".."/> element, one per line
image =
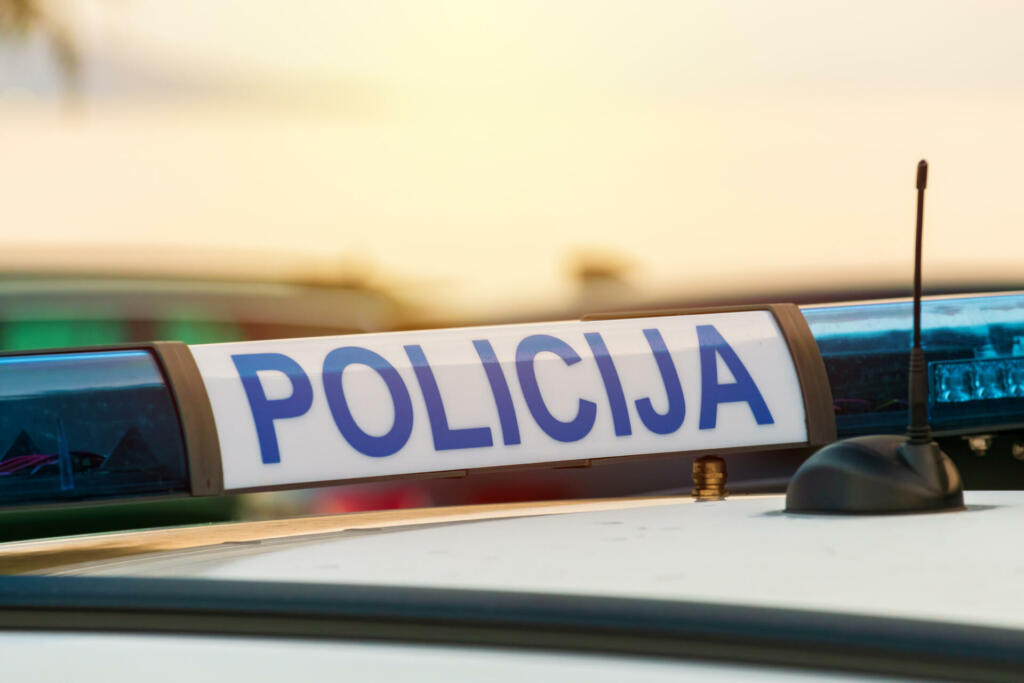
<point x="709" y="477"/>
<point x="979" y="444"/>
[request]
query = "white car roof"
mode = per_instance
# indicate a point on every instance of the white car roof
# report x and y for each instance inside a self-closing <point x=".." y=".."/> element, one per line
<point x="964" y="566"/>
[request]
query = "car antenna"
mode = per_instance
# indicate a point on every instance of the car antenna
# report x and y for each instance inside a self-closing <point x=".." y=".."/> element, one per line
<point x="885" y="474"/>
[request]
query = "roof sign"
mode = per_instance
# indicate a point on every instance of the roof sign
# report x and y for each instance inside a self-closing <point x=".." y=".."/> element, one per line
<point x="307" y="411"/>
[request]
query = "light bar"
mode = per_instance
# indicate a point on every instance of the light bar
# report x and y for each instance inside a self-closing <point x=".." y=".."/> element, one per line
<point x="164" y="418"/>
<point x="975" y="351"/>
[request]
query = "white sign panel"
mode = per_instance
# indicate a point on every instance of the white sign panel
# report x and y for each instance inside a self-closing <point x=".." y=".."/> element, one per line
<point x="330" y="408"/>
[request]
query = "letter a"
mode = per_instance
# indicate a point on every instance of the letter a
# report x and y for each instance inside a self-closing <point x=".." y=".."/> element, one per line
<point x="712" y="393"/>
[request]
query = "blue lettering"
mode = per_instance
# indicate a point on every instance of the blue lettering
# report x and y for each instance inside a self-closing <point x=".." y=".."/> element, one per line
<point x="574" y="429"/>
<point x="499" y="387"/>
<point x="671" y="419"/>
<point x="445" y="438"/>
<point x="612" y="384"/>
<point x="265" y="410"/>
<point x="373" y="446"/>
<point x="712" y="393"/>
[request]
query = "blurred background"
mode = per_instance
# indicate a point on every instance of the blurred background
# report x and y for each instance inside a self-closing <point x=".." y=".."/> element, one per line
<point x="214" y="171"/>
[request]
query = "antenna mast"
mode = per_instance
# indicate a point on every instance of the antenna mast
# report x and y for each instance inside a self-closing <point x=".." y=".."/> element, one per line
<point x="883" y="474"/>
<point x="918" y="430"/>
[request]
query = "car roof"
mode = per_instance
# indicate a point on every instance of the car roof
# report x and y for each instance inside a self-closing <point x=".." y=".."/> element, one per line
<point x="962" y="567"/>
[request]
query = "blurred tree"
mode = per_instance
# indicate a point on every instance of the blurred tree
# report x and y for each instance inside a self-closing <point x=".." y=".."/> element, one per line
<point x="22" y="18"/>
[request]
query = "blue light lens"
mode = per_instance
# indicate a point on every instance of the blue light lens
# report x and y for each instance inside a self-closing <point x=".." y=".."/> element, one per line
<point x="975" y="352"/>
<point x="79" y="426"/>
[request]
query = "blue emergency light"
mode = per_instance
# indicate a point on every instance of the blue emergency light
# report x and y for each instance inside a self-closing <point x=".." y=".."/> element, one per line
<point x="98" y="424"/>
<point x="975" y="351"/>
<point x="169" y="419"/>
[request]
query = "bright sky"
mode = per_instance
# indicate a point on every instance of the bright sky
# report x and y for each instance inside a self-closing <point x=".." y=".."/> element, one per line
<point x="468" y="149"/>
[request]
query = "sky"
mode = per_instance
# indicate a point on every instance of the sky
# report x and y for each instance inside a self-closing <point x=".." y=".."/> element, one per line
<point x="465" y="152"/>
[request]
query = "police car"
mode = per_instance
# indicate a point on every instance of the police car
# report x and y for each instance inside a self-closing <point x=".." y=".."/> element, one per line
<point x="833" y="577"/>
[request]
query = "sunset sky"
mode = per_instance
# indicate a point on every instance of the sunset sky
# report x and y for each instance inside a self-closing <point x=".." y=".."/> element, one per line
<point x="465" y="151"/>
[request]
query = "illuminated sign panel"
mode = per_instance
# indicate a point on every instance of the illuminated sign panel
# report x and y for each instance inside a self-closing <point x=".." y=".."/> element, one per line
<point x="363" y="406"/>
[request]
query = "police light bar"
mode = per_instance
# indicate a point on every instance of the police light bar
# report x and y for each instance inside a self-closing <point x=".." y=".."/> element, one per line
<point x="169" y="419"/>
<point x="165" y="418"/>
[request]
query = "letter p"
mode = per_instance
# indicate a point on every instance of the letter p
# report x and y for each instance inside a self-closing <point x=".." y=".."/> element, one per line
<point x="265" y="410"/>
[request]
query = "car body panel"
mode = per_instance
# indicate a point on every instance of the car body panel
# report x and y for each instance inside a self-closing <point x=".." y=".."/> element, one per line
<point x="743" y="551"/>
<point x="104" y="657"/>
<point x="56" y="553"/>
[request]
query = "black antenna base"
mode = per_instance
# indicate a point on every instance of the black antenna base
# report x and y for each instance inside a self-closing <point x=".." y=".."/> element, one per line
<point x="876" y="475"/>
